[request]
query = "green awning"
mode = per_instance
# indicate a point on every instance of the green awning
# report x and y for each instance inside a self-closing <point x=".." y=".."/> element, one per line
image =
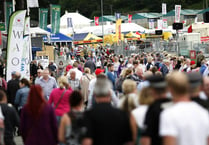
<point x="183" y="12"/>
<point x="146" y="16"/>
<point x="203" y="11"/>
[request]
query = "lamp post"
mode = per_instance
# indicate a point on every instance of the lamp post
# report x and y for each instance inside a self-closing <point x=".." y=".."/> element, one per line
<point x="102" y="21"/>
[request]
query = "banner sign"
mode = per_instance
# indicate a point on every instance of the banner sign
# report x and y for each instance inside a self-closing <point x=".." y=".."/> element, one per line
<point x="164" y="10"/>
<point x="177" y="13"/>
<point x="96" y="21"/>
<point x="69" y="23"/>
<point x="118" y="30"/>
<point x="43" y="16"/>
<point x="129" y="18"/>
<point x="55" y="18"/>
<point x="159" y="24"/>
<point x="15" y="42"/>
<point x="26" y="56"/>
<point x="117" y="16"/>
<point x="32" y="4"/>
<point x="8" y="9"/>
<point x="165" y="24"/>
<point x="151" y="24"/>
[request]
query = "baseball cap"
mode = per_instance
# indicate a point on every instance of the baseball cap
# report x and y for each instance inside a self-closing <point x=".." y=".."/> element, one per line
<point x="99" y="71"/>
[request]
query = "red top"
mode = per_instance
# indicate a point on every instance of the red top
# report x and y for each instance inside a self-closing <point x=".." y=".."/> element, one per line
<point x="68" y="67"/>
<point x="63" y="106"/>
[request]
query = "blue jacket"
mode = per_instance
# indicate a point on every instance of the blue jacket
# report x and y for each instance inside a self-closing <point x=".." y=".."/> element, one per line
<point x="202" y="68"/>
<point x="21" y="97"/>
<point x="112" y="78"/>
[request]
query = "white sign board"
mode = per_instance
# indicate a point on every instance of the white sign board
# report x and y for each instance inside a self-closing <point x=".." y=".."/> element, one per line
<point x="164" y="10"/>
<point x="32" y="3"/>
<point x="177" y="13"/>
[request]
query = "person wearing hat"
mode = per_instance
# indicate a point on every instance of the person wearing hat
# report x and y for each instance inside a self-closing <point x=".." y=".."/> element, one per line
<point x="185" y="122"/>
<point x="195" y="87"/>
<point x="150" y="132"/>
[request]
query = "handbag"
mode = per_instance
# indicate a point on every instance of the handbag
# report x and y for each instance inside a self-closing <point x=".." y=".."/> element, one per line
<point x="59" y="99"/>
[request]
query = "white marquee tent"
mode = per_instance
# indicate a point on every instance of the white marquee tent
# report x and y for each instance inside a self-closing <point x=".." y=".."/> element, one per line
<point x="108" y="29"/>
<point x="79" y="21"/>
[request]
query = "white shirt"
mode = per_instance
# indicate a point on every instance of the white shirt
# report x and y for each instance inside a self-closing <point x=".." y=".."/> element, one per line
<point x="139" y="115"/>
<point x="188" y="122"/>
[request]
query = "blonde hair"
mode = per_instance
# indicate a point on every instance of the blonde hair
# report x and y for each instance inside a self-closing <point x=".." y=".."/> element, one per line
<point x="128" y="86"/>
<point x="87" y="70"/>
<point x="145" y="97"/>
<point x="62" y="81"/>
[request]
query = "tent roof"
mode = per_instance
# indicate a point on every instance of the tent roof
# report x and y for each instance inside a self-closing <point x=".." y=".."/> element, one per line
<point x="109" y="29"/>
<point x="59" y="37"/>
<point x="203" y="11"/>
<point x="183" y="12"/>
<point x="111" y="18"/>
<point x="76" y="19"/>
<point x="146" y="15"/>
<point x="80" y="36"/>
<point x="38" y="30"/>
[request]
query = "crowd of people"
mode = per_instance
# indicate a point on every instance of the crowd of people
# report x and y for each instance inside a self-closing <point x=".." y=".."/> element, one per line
<point x="151" y="98"/>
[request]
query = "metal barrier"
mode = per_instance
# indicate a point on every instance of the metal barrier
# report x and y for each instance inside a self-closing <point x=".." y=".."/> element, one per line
<point x="180" y="48"/>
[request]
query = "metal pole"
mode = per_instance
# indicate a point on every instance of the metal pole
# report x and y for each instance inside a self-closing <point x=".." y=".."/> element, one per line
<point x="13" y="3"/>
<point x="102" y="21"/>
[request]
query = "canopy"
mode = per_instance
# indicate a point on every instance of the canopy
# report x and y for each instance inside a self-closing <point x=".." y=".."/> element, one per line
<point x="132" y="36"/>
<point x="111" y="38"/>
<point x="183" y="12"/>
<point x="84" y="38"/>
<point x="78" y="20"/>
<point x="59" y="37"/>
<point x="38" y="30"/>
<point x="146" y="16"/>
<point x="203" y="11"/>
<point x="111" y="18"/>
<point x="110" y="29"/>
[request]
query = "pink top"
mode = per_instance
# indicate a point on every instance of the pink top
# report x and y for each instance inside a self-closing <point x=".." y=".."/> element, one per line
<point x="64" y="105"/>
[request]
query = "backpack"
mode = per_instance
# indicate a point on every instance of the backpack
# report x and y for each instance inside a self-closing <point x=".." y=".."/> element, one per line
<point x="77" y="129"/>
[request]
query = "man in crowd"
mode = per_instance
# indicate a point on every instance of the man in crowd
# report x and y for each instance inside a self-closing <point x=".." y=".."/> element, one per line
<point x="150" y="133"/>
<point x="13" y="86"/>
<point x="185" y="122"/>
<point x="73" y="81"/>
<point x="47" y="82"/>
<point x="11" y="119"/>
<point x="110" y="74"/>
<point x="106" y="125"/>
<point x="79" y="74"/>
<point x="195" y="87"/>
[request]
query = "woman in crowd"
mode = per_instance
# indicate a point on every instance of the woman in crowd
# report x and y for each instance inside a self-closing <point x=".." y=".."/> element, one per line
<point x="59" y="98"/>
<point x="85" y="79"/>
<point x="60" y="68"/>
<point x="71" y="125"/>
<point x="38" y="122"/>
<point x="22" y="94"/>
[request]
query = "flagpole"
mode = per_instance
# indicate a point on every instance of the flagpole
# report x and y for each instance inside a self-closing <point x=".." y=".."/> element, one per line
<point x="13" y="4"/>
<point x="102" y="21"/>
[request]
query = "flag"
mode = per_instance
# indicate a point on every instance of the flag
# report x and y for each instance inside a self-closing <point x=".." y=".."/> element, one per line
<point x="177" y="13"/>
<point x="15" y="42"/>
<point x="151" y="24"/>
<point x="164" y="10"/>
<point x="159" y="24"/>
<point x="118" y="30"/>
<point x="26" y="55"/>
<point x="69" y="23"/>
<point x="96" y="21"/>
<point x="164" y="23"/>
<point x="55" y="18"/>
<point x="129" y="18"/>
<point x="32" y="4"/>
<point x="117" y="16"/>
<point x="43" y="16"/>
<point x="190" y="29"/>
<point x="8" y="11"/>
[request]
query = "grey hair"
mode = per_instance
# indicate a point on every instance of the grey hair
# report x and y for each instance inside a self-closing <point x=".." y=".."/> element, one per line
<point x="102" y="87"/>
